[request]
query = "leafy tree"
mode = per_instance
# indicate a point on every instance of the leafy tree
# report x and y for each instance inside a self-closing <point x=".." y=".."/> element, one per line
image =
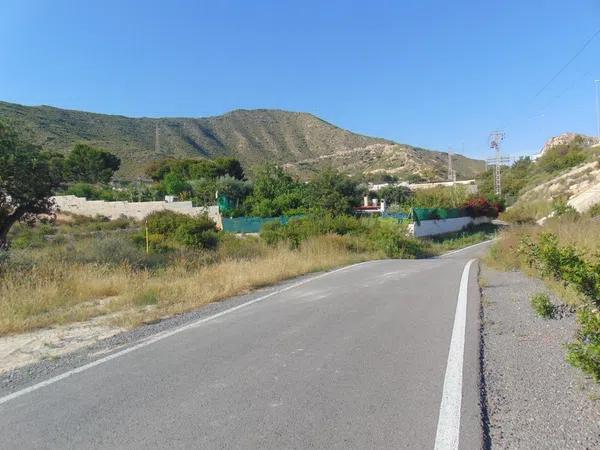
<point x="195" y="169"/>
<point x="397" y="195"/>
<point x="333" y="192"/>
<point x="90" y="165"/>
<point x="28" y="178"/>
<point x="175" y="184"/>
<point x="275" y="193"/>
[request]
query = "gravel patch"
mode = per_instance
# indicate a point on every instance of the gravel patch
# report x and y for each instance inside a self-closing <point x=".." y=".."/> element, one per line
<point x="535" y="399"/>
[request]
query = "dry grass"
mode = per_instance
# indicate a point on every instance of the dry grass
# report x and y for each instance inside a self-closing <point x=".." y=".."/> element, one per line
<point x="57" y="292"/>
<point x="582" y="233"/>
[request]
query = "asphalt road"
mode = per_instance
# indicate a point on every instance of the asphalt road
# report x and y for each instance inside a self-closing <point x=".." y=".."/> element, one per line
<point x="355" y="358"/>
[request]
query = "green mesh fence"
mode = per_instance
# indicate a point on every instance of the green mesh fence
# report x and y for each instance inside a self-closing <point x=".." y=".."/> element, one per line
<point x="252" y="224"/>
<point x="419" y="214"/>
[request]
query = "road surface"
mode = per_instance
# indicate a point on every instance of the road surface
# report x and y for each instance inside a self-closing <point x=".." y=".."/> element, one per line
<point x="382" y="354"/>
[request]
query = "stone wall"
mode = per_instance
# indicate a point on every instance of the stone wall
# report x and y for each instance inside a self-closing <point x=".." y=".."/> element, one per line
<point x="136" y="210"/>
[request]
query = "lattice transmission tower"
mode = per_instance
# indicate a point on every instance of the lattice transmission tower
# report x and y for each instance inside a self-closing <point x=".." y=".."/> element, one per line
<point x="496" y="138"/>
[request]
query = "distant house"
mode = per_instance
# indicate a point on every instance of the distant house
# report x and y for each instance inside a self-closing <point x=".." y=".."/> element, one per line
<point x="374" y="207"/>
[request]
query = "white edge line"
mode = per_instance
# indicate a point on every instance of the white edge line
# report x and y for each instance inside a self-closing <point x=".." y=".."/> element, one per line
<point x="467" y="248"/>
<point x="448" y="427"/>
<point x="165" y="334"/>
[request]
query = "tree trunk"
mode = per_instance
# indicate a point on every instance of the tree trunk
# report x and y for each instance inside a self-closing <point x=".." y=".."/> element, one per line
<point x="3" y="242"/>
<point x="6" y="225"/>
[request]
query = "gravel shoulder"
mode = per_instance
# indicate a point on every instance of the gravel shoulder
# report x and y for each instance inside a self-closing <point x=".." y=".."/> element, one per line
<point x="535" y="399"/>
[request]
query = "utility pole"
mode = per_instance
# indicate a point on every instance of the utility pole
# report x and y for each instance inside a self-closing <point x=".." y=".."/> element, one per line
<point x="157" y="140"/>
<point x="496" y="138"/>
<point x="597" y="82"/>
<point x="451" y="176"/>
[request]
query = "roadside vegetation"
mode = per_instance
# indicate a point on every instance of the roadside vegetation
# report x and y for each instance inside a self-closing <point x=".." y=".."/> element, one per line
<point x="78" y="268"/>
<point x="565" y="252"/>
<point x="523" y="182"/>
<point x="542" y="305"/>
<point x="59" y="269"/>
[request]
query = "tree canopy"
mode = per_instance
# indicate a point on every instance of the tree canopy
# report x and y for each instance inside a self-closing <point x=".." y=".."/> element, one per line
<point x="90" y="165"/>
<point x="28" y="178"/>
<point x="195" y="169"/>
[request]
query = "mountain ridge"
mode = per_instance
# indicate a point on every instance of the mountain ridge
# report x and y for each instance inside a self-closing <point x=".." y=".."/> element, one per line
<point x="300" y="141"/>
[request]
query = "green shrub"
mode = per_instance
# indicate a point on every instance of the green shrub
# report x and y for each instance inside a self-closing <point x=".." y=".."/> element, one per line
<point x="25" y="236"/>
<point x="392" y="239"/>
<point x="542" y="305"/>
<point x="562" y="209"/>
<point x="165" y="222"/>
<point x="166" y="227"/>
<point x="584" y="353"/>
<point x="567" y="264"/>
<point x="385" y="235"/>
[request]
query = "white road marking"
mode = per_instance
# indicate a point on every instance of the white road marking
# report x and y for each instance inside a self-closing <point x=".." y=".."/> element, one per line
<point x="165" y="334"/>
<point x="448" y="428"/>
<point x="467" y="248"/>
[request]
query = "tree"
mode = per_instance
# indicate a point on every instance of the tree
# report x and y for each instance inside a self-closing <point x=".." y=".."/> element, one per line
<point x="333" y="192"/>
<point x="195" y="169"/>
<point x="276" y="193"/>
<point x="28" y="178"/>
<point x="90" y="165"/>
<point x="175" y="184"/>
<point x="397" y="195"/>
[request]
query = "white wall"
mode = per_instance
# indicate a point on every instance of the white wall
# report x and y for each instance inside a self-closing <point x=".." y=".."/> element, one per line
<point x="433" y="227"/>
<point x="136" y="210"/>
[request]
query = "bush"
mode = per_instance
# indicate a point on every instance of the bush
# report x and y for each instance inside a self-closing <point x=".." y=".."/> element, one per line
<point x="193" y="232"/>
<point x="386" y="236"/>
<point x="112" y="250"/>
<point x="393" y="241"/>
<point x="567" y="264"/>
<point x="585" y="352"/>
<point x="482" y="207"/>
<point x="562" y="209"/>
<point x="542" y="305"/>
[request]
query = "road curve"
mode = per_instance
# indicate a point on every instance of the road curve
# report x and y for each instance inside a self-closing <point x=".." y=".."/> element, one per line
<point x="356" y="358"/>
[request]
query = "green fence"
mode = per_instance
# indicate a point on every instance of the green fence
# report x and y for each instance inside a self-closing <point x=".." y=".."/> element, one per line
<point x="419" y="214"/>
<point x="252" y="224"/>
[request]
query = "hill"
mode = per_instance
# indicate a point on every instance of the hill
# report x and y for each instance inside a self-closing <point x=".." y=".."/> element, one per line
<point x="301" y="141"/>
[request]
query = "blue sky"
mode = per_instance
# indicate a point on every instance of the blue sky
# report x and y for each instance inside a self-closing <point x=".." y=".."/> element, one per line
<point x="436" y="74"/>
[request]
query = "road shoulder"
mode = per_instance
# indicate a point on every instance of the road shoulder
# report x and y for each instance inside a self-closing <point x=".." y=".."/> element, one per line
<point x="535" y="399"/>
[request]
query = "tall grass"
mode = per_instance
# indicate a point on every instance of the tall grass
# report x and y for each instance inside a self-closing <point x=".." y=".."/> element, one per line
<point x="54" y="290"/>
<point x="93" y="272"/>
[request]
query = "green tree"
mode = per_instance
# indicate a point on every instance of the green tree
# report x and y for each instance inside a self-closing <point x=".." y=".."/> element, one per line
<point x="275" y="193"/>
<point x="395" y="195"/>
<point x="195" y="169"/>
<point x="175" y="184"/>
<point x="333" y="192"/>
<point x="28" y="178"/>
<point x="90" y="165"/>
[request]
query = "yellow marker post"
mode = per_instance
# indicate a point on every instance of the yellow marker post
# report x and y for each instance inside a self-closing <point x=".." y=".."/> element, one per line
<point x="147" y="239"/>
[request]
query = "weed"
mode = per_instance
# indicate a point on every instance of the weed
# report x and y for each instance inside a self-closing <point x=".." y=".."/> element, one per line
<point x="542" y="305"/>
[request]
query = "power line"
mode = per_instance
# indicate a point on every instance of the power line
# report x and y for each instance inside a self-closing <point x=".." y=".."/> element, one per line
<point x="563" y="68"/>
<point x="554" y="77"/>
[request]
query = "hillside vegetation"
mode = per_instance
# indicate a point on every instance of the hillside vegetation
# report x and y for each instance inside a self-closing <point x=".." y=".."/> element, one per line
<point x="302" y="141"/>
<point x="562" y="173"/>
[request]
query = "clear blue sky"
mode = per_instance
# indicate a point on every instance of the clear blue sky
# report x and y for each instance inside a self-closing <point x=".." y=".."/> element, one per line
<point x="428" y="73"/>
